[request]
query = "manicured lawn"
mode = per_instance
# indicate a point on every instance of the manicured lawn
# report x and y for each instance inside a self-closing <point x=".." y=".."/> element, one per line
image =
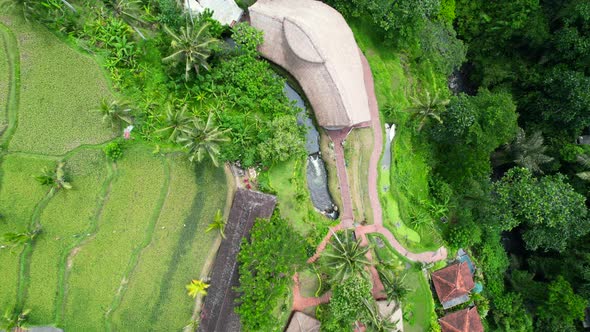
<point x="405" y="202"/>
<point x="99" y="267"/>
<point x="66" y="220"/>
<point x="59" y="88"/>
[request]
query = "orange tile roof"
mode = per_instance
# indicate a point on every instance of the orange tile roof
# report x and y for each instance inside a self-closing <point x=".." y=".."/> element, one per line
<point x="453" y="281"/>
<point x="466" y="320"/>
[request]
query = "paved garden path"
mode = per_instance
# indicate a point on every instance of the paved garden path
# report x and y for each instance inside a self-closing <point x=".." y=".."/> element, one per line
<point x="346" y="217"/>
<point x="377" y="227"/>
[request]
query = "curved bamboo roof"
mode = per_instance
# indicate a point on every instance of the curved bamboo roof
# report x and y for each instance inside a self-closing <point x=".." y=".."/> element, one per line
<point x="312" y="41"/>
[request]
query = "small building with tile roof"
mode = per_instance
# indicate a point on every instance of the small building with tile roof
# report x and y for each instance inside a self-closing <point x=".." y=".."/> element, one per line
<point x="453" y="284"/>
<point x="466" y="320"/>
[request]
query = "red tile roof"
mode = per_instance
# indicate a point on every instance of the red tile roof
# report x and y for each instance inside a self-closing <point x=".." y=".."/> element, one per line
<point x="453" y="281"/>
<point x="466" y="320"/>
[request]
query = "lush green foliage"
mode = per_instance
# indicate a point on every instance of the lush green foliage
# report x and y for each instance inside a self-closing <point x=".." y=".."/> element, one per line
<point x="561" y="308"/>
<point x="473" y="127"/>
<point x="551" y="211"/>
<point x="345" y="257"/>
<point x="399" y="20"/>
<point x="267" y="263"/>
<point x="218" y="223"/>
<point x="114" y="150"/>
<point x="193" y="46"/>
<point x="524" y="151"/>
<point x="347" y="303"/>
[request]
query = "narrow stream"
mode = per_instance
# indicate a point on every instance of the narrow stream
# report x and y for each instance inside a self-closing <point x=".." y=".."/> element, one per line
<point x="317" y="176"/>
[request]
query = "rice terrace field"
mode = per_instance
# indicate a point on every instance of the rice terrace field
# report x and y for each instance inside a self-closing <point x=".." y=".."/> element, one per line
<point x="101" y="260"/>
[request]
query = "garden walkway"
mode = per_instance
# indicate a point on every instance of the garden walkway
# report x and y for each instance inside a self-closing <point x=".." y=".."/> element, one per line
<point x="425" y="257"/>
<point x="346" y="218"/>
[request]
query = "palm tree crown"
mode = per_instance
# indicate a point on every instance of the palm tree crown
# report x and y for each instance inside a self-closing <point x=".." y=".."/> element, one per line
<point x="192" y="46"/>
<point x="218" y="223"/>
<point x="177" y="122"/>
<point x="525" y="151"/>
<point x="375" y="321"/>
<point x="116" y="112"/>
<point x="427" y="107"/>
<point x="203" y="139"/>
<point x="345" y="257"/>
<point x="127" y="10"/>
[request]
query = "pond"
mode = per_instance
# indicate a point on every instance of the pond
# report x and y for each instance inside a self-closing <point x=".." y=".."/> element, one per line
<point x="317" y="176"/>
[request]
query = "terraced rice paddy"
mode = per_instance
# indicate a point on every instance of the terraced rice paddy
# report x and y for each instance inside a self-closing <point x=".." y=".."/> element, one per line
<point x="116" y="251"/>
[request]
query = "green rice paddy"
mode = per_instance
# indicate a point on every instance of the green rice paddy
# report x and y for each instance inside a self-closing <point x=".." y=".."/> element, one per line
<point x="59" y="88"/>
<point x="116" y="251"/>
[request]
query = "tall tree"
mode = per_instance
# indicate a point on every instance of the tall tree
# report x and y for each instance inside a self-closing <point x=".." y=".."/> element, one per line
<point x="176" y="123"/>
<point x="127" y="10"/>
<point x="116" y="111"/>
<point x="426" y="107"/>
<point x="375" y="321"/>
<point x="192" y="45"/>
<point x="561" y="309"/>
<point x="345" y="257"/>
<point x="347" y="304"/>
<point x="551" y="211"/>
<point x="525" y="151"/>
<point x="203" y="140"/>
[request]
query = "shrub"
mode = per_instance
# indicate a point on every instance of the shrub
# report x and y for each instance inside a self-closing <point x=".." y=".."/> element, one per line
<point x="114" y="150"/>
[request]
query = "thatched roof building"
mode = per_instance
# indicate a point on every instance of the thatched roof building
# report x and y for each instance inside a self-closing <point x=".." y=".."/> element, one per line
<point x="224" y="11"/>
<point x="217" y="314"/>
<point x="301" y="322"/>
<point x="312" y="41"/>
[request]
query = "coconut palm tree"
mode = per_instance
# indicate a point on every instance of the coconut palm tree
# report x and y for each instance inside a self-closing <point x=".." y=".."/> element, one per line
<point x="584" y="160"/>
<point x="30" y="9"/>
<point x="14" y="239"/>
<point x="218" y="223"/>
<point x="375" y="322"/>
<point x="525" y="151"/>
<point x="395" y="287"/>
<point x="192" y="45"/>
<point x="116" y="111"/>
<point x="127" y="10"/>
<point x="345" y="256"/>
<point x="427" y="107"/>
<point x="203" y="139"/>
<point x="13" y="319"/>
<point x="56" y="179"/>
<point x="197" y="287"/>
<point x="177" y="122"/>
